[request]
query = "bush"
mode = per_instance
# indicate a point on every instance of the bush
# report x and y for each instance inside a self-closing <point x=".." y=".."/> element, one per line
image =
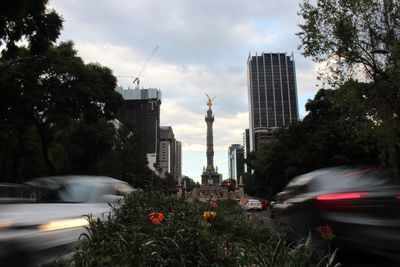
<point x="184" y="237"/>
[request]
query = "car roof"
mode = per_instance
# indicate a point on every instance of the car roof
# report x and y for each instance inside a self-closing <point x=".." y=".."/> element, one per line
<point x="342" y="176"/>
<point x="69" y="178"/>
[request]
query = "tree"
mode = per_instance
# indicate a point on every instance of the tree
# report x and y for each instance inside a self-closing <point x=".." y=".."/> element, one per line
<point x="53" y="94"/>
<point x="190" y="183"/>
<point x="127" y="161"/>
<point x="351" y="34"/>
<point x="338" y="130"/>
<point x="63" y="89"/>
<point x="359" y="39"/>
<point x="30" y="19"/>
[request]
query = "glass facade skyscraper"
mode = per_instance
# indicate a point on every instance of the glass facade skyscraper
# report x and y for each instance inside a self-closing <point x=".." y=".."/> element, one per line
<point x="142" y="107"/>
<point x="272" y="95"/>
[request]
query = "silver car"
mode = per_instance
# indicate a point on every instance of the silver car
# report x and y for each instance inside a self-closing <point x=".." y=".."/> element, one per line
<point x="252" y="204"/>
<point x="39" y="232"/>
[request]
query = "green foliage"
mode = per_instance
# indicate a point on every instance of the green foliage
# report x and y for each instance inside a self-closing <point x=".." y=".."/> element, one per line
<point x="55" y="110"/>
<point x="185" y="237"/>
<point x="359" y="39"/>
<point x="190" y="183"/>
<point x="339" y="129"/>
<point x="30" y="19"/>
<point x="351" y="32"/>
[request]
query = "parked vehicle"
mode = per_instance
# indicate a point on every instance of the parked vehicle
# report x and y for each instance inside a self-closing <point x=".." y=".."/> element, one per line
<point x="358" y="205"/>
<point x="37" y="233"/>
<point x="252" y="204"/>
<point x="264" y="204"/>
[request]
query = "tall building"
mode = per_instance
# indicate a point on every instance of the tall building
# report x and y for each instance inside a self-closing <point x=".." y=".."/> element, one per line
<point x="246" y="145"/>
<point x="167" y="151"/>
<point x="178" y="161"/>
<point x="272" y="95"/>
<point x="142" y="108"/>
<point x="236" y="161"/>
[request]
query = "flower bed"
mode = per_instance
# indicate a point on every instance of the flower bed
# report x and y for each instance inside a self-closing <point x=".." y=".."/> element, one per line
<point x="152" y="229"/>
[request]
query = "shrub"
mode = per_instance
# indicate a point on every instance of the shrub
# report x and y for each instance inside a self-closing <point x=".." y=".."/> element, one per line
<point x="183" y="233"/>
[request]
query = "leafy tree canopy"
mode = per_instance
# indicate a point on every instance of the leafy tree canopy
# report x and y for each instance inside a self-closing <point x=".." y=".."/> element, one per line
<point x="360" y="40"/>
<point x="30" y="20"/>
<point x="352" y="34"/>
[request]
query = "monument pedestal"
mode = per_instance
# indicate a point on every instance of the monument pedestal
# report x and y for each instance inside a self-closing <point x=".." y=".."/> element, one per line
<point x="210" y="177"/>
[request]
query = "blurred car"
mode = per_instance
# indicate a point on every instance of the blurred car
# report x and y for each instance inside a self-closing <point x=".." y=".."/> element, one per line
<point x="252" y="204"/>
<point x="12" y="193"/>
<point x="271" y="208"/>
<point x="37" y="233"/>
<point x="356" y="206"/>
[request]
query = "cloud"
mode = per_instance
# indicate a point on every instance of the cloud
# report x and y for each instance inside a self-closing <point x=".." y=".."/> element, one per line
<point x="203" y="48"/>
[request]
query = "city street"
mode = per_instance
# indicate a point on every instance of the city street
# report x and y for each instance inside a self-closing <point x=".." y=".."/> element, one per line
<point x="346" y="256"/>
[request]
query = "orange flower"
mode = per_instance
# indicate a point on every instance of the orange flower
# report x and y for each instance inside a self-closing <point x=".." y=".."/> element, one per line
<point x="209" y="214"/>
<point x="156" y="217"/>
<point x="325" y="231"/>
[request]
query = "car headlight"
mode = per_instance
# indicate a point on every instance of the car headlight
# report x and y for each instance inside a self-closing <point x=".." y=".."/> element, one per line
<point x="63" y="224"/>
<point x="5" y="223"/>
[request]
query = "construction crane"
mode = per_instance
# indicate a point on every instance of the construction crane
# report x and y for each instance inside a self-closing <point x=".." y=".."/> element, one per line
<point x="136" y="80"/>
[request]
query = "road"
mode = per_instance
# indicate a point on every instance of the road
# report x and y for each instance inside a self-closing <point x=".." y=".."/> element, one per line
<point x="264" y="216"/>
<point x="346" y="256"/>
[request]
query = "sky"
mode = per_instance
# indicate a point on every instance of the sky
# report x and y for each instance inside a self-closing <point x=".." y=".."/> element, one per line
<point x="203" y="47"/>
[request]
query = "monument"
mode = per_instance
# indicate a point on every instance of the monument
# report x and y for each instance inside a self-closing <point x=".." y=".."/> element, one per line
<point x="210" y="174"/>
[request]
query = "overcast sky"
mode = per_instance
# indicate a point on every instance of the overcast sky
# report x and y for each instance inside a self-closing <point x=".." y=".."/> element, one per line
<point x="203" y="48"/>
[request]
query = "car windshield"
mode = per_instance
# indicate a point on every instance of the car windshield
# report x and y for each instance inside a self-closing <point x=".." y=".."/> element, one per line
<point x="72" y="190"/>
<point x="366" y="178"/>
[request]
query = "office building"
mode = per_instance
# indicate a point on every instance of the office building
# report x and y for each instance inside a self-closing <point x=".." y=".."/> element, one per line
<point x="272" y="95"/>
<point x="246" y="146"/>
<point x="178" y="161"/>
<point x="142" y="108"/>
<point x="236" y="161"/>
<point x="167" y="151"/>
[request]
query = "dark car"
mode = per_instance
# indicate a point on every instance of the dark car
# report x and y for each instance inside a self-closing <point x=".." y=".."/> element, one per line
<point x="356" y="206"/>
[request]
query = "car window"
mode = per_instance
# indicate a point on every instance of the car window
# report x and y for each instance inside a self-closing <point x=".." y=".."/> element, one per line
<point x="348" y="179"/>
<point x="76" y="191"/>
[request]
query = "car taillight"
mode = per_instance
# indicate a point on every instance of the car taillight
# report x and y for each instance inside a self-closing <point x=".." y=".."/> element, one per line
<point x="342" y="196"/>
<point x="343" y="202"/>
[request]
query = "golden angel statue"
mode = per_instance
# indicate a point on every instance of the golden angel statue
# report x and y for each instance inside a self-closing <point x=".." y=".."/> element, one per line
<point x="209" y="102"/>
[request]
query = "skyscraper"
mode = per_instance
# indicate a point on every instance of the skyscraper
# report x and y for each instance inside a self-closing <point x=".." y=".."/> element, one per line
<point x="178" y="161"/>
<point x="142" y="107"/>
<point x="272" y="95"/>
<point x="167" y="151"/>
<point x="236" y="161"/>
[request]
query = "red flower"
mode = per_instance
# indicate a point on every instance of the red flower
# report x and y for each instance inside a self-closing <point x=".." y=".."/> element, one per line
<point x="325" y="231"/>
<point x="156" y="217"/>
